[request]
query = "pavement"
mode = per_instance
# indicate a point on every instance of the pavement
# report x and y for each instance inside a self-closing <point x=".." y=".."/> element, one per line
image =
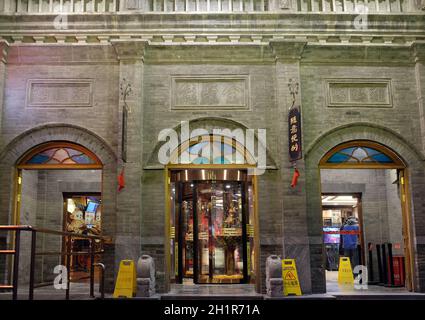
<point x="80" y="291"/>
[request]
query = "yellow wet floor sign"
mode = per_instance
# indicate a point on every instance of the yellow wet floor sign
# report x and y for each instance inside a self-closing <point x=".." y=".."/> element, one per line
<point x="291" y="285"/>
<point x="345" y="273"/>
<point x="126" y="286"/>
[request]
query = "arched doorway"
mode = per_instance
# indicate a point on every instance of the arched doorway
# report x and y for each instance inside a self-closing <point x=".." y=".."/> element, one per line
<point x="366" y="183"/>
<point x="59" y="187"/>
<point x="211" y="216"/>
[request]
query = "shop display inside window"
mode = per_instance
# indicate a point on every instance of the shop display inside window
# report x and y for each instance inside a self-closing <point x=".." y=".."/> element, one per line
<point x="83" y="215"/>
<point x="212" y="234"/>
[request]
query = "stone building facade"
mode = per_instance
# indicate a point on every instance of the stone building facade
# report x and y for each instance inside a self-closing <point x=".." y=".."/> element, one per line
<point x="65" y="66"/>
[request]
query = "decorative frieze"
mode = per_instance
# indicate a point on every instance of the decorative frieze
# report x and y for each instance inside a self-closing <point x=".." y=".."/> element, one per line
<point x="210" y="92"/>
<point x="59" y="93"/>
<point x="358" y="93"/>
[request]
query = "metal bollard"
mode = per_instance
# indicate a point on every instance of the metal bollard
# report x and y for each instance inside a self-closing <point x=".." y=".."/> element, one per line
<point x="378" y="252"/>
<point x="384" y="265"/>
<point x="371" y="275"/>
<point x="390" y="264"/>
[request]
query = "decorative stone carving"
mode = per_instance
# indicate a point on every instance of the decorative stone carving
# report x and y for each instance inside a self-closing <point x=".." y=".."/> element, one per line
<point x="284" y="4"/>
<point x="59" y="93"/>
<point x="420" y="4"/>
<point x="209" y="92"/>
<point x="132" y="4"/>
<point x="359" y="92"/>
<point x="293" y="86"/>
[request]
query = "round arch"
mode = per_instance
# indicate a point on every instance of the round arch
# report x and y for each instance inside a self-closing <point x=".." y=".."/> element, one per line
<point x="15" y="151"/>
<point x="41" y="137"/>
<point x="59" y="155"/>
<point x="362" y="154"/>
<point x="406" y="151"/>
<point x="403" y="156"/>
<point x="19" y="146"/>
<point x="207" y="124"/>
<point x="202" y="149"/>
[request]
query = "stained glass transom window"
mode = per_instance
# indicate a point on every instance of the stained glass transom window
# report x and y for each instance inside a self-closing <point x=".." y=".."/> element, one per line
<point x="61" y="155"/>
<point x="212" y="152"/>
<point x="359" y="154"/>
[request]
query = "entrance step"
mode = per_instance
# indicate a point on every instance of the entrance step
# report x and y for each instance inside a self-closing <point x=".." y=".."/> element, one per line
<point x="212" y="292"/>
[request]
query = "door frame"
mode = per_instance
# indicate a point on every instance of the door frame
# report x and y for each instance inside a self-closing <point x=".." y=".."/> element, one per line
<point x="167" y="227"/>
<point x="405" y="196"/>
<point x="22" y="164"/>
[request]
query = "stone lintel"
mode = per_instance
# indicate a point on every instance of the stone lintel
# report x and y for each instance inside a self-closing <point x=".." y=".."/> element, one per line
<point x="129" y="49"/>
<point x="419" y="50"/>
<point x="288" y="50"/>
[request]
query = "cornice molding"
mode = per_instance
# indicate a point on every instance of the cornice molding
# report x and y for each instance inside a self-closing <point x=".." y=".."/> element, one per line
<point x="221" y="39"/>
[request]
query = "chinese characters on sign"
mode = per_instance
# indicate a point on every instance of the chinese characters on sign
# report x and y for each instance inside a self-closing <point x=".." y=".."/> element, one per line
<point x="294" y="132"/>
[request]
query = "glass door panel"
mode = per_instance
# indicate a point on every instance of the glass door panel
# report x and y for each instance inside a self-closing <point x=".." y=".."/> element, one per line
<point x="220" y="233"/>
<point x="187" y="231"/>
<point x="211" y="230"/>
<point x="203" y="210"/>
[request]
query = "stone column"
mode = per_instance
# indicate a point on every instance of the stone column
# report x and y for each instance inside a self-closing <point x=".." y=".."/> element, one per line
<point x="419" y="54"/>
<point x="128" y="217"/>
<point x="4" y="46"/>
<point x="296" y="242"/>
<point x="7" y="6"/>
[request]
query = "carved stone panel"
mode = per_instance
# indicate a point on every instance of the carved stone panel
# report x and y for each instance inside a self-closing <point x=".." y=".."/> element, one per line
<point x="358" y="93"/>
<point x="209" y="92"/>
<point x="59" y="93"/>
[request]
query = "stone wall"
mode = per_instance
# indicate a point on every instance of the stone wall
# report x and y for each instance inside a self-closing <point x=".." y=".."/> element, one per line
<point x="348" y="92"/>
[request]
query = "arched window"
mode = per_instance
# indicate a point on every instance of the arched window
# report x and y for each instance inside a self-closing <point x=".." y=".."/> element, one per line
<point x="360" y="154"/>
<point x="60" y="155"/>
<point x="211" y="149"/>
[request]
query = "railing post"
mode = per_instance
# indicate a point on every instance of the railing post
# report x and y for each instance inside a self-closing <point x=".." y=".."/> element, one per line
<point x="16" y="264"/>
<point x="32" y="263"/>
<point x="68" y="266"/>
<point x="102" y="279"/>
<point x="92" y="249"/>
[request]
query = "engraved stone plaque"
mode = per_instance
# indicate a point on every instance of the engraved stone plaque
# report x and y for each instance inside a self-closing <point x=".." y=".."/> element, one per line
<point x="213" y="93"/>
<point x="358" y="93"/>
<point x="59" y="93"/>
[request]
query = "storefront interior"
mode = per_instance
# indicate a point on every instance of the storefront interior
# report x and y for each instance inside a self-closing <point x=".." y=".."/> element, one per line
<point x="212" y="226"/>
<point x="62" y="200"/>
<point x="368" y="200"/>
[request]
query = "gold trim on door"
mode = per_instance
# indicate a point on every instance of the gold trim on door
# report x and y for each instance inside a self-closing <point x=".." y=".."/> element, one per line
<point x="167" y="179"/>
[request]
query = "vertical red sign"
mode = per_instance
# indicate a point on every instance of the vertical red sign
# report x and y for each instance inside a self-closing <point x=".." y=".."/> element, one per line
<point x="294" y="134"/>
